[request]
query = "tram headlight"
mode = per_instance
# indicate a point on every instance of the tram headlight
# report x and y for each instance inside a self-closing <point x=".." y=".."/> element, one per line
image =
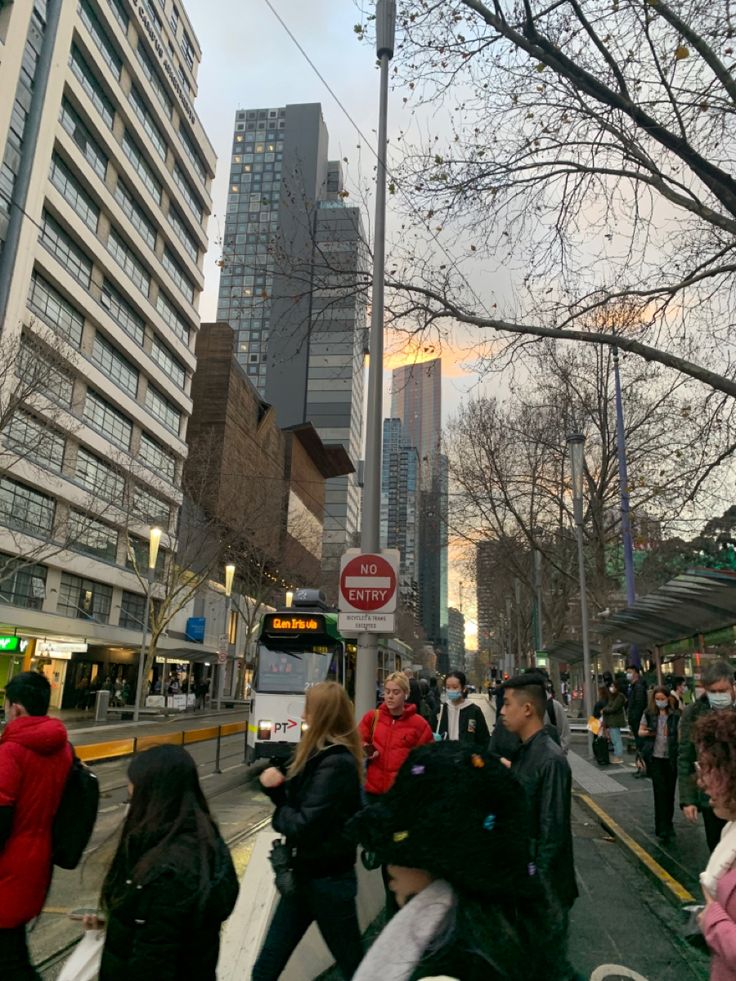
<point x="265" y="728"/>
<point x="305" y="726"/>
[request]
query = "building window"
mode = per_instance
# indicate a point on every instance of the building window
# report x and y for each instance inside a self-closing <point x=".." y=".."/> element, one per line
<point x="154" y="79"/>
<point x="114" y="365"/>
<point x="100" y="415"/>
<point x="182" y="233"/>
<point x="127" y="259"/>
<point x="31" y="438"/>
<point x="150" y="509"/>
<point x="66" y="250"/>
<point x="120" y="13"/>
<point x="141" y="167"/>
<point x="162" y="409"/>
<point x="25" y="509"/>
<point x="187" y="50"/>
<point x="32" y="366"/>
<point x="132" y="611"/>
<point x="189" y="196"/>
<point x="91" y="86"/>
<point x="21" y="584"/>
<point x="172" y="317"/>
<point x="84" y="599"/>
<point x="98" y="477"/>
<point x="122" y="313"/>
<point x="73" y="124"/>
<point x="92" y="537"/>
<point x="191" y="152"/>
<point x="71" y="189"/>
<point x="107" y="48"/>
<point x="126" y="199"/>
<point x="54" y="310"/>
<point x="157" y="458"/>
<point x="168" y="363"/>
<point x="174" y="270"/>
<point x="152" y="131"/>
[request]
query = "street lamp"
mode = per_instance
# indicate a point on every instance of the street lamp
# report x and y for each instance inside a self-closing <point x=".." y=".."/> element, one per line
<point x="229" y="576"/>
<point x="576" y="444"/>
<point x="370" y="533"/>
<point x="153" y="545"/>
<point x="623" y="481"/>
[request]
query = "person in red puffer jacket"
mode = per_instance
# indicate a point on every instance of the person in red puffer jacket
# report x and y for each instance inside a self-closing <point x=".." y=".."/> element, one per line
<point x="390" y="733"/>
<point x="35" y="759"/>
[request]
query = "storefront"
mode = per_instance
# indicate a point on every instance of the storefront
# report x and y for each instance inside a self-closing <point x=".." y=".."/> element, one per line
<point x="12" y="652"/>
<point x="52" y="658"/>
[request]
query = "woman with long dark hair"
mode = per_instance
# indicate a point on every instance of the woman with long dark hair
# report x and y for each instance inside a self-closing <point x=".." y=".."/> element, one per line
<point x="658" y="731"/>
<point x="318" y="794"/>
<point x="171" y="883"/>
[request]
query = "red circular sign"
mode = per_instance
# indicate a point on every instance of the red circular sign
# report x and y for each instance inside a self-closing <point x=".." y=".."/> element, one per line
<point x="368" y="583"/>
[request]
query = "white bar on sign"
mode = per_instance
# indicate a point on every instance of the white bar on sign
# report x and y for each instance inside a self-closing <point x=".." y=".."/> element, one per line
<point x="367" y="582"/>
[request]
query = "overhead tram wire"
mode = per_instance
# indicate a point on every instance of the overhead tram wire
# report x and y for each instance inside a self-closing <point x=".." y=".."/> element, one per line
<point x="425" y="224"/>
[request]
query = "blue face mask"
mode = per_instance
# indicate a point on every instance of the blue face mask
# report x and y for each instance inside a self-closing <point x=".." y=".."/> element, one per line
<point x="454" y="696"/>
<point x="720" y="699"/>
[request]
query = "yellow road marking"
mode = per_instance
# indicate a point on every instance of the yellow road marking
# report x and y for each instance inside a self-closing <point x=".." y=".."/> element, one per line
<point x="675" y="887"/>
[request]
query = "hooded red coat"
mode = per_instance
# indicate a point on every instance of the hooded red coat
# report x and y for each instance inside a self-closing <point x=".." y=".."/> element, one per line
<point x="35" y="758"/>
<point x="394" y="738"/>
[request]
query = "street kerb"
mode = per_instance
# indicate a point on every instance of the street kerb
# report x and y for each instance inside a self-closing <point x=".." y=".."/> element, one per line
<point x="667" y="884"/>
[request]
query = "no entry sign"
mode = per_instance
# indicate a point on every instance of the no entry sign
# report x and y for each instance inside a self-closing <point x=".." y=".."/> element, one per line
<point x="368" y="582"/>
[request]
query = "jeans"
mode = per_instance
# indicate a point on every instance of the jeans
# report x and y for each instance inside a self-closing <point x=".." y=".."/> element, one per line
<point x="331" y="902"/>
<point x="664" y="778"/>
<point x="15" y="961"/>
<point x="618" y="744"/>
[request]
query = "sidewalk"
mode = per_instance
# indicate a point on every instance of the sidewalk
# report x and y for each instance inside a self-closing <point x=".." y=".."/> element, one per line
<point x="83" y="729"/>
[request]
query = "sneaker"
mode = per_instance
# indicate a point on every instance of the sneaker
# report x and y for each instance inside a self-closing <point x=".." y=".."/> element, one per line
<point x="616" y="759"/>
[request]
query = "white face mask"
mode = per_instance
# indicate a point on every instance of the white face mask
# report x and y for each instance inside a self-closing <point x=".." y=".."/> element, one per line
<point x="660" y="703"/>
<point x="629" y="676"/>
<point x="720" y="699"/>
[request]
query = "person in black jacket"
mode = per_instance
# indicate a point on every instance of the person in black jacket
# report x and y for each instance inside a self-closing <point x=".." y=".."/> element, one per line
<point x="313" y="803"/>
<point x="636" y="706"/>
<point x="542" y="769"/>
<point x="171" y="876"/>
<point x="658" y="730"/>
<point x="461" y="719"/>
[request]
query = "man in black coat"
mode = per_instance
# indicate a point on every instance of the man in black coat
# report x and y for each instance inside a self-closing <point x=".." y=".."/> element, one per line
<point x="542" y="769"/>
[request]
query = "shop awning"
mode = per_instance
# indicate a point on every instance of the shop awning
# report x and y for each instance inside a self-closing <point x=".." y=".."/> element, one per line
<point x="569" y="651"/>
<point x="698" y="601"/>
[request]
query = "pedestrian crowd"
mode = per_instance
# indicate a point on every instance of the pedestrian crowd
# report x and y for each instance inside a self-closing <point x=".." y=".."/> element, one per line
<point x="471" y="830"/>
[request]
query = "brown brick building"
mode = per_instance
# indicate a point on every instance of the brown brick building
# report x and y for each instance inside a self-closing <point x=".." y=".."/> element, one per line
<point x="265" y="486"/>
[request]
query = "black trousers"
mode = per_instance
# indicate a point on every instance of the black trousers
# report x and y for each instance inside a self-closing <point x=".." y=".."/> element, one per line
<point x="331" y="903"/>
<point x="664" y="778"/>
<point x="15" y="961"/>
<point x="713" y="827"/>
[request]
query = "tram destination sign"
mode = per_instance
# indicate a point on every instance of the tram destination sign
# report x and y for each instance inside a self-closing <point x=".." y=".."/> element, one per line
<point x="304" y="623"/>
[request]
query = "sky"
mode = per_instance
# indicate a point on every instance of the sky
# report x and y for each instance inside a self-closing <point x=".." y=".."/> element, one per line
<point x="249" y="61"/>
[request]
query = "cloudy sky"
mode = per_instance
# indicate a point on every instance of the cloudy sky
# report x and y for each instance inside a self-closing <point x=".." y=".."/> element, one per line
<point x="249" y="61"/>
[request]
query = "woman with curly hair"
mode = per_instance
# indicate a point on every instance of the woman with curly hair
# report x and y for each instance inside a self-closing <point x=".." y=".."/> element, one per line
<point x="715" y="741"/>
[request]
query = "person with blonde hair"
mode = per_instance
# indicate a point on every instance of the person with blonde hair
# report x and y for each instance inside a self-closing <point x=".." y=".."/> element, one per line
<point x="314" y="800"/>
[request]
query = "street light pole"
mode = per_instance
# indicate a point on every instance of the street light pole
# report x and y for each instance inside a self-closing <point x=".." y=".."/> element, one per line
<point x="623" y="480"/>
<point x="370" y="535"/>
<point x="154" y="542"/>
<point x="229" y="576"/>
<point x="576" y="443"/>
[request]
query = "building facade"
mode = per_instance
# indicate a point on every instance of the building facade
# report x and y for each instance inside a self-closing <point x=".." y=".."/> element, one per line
<point x="416" y="399"/>
<point x="455" y="639"/>
<point x="104" y="199"/>
<point x="293" y="251"/>
<point x="400" y="502"/>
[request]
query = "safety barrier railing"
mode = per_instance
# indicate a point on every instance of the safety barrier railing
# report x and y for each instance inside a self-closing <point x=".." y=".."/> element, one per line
<point x="115" y="748"/>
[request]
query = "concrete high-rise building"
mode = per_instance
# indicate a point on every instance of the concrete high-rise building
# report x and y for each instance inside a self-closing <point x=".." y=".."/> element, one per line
<point x="400" y="501"/>
<point x="105" y="182"/>
<point x="416" y="399"/>
<point x="455" y="639"/>
<point x="293" y="250"/>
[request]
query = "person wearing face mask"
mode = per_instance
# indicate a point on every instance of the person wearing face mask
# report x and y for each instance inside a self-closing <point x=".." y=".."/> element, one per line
<point x="718" y="696"/>
<point x="659" y="730"/>
<point x="613" y="718"/>
<point x="461" y="720"/>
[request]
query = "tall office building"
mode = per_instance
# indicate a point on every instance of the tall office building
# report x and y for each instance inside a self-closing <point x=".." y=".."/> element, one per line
<point x="104" y="196"/>
<point x="400" y="502"/>
<point x="456" y="639"/>
<point x="416" y="399"/>
<point x="292" y="252"/>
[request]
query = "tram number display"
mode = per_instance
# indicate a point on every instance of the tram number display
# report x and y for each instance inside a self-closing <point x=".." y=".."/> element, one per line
<point x="279" y="623"/>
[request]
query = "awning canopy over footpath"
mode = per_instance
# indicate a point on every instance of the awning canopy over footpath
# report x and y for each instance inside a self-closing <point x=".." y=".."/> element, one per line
<point x="697" y="602"/>
<point x="569" y="651"/>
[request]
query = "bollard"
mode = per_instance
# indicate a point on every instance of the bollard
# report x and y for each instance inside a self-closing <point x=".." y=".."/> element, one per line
<point x="217" y="750"/>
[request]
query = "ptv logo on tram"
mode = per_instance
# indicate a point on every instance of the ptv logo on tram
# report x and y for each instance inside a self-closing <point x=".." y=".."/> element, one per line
<point x="284" y="726"/>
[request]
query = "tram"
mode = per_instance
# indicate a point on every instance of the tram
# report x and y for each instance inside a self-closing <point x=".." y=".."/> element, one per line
<point x="298" y="647"/>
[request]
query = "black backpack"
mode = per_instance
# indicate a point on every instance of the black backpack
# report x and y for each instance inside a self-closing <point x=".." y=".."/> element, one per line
<point x="76" y="815"/>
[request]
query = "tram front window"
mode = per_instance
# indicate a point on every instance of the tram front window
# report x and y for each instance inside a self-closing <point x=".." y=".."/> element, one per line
<point x="289" y="672"/>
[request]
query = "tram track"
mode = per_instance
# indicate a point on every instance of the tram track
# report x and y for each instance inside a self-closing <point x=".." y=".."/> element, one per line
<point x="49" y="966"/>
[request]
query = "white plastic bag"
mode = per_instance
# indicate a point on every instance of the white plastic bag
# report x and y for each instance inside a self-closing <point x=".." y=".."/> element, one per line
<point x="85" y="960"/>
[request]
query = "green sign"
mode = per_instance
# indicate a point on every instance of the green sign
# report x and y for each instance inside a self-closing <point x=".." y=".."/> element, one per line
<point x="541" y="659"/>
<point x="9" y="645"/>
